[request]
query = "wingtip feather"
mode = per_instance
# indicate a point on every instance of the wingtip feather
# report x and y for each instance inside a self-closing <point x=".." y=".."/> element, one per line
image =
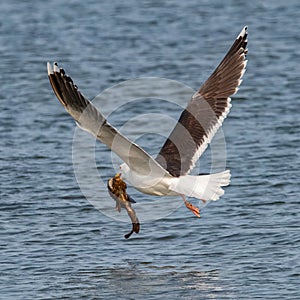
<point x="49" y="68"/>
<point x="243" y="32"/>
<point x="55" y="68"/>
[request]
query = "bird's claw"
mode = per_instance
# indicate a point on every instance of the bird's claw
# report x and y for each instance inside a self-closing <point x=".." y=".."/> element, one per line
<point x="194" y="209"/>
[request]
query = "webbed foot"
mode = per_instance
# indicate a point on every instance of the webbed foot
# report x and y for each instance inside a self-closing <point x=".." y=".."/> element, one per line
<point x="194" y="209"/>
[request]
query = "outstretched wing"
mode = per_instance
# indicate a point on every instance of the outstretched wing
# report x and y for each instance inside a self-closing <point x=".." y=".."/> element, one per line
<point x="205" y="112"/>
<point x="88" y="117"/>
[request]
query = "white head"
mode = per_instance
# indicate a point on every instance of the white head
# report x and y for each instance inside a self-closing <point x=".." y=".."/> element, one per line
<point x="124" y="169"/>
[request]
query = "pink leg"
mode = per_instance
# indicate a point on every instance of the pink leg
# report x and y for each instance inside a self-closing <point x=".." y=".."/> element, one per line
<point x="194" y="209"/>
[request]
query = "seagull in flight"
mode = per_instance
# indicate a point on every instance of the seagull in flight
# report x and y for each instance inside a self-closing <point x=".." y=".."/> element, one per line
<point x="168" y="173"/>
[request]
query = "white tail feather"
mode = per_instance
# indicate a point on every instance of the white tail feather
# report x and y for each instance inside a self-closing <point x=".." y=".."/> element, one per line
<point x="204" y="187"/>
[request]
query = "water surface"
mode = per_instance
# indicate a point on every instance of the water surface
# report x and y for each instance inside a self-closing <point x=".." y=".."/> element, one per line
<point x="56" y="245"/>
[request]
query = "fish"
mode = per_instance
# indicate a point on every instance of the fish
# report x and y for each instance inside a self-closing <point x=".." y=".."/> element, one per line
<point x="117" y="190"/>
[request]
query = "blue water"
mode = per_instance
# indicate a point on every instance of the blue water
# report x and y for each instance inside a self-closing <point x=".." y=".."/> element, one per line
<point x="56" y="245"/>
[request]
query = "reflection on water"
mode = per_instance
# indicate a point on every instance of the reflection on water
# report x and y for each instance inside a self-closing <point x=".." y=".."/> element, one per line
<point x="146" y="280"/>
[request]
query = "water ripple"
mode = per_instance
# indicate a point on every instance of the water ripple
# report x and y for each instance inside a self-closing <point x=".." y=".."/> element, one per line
<point x="55" y="245"/>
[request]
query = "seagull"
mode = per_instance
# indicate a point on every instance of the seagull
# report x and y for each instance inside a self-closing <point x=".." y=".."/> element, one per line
<point x="168" y="173"/>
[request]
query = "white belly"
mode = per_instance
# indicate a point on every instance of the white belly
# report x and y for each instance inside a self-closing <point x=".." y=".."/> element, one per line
<point x="150" y="185"/>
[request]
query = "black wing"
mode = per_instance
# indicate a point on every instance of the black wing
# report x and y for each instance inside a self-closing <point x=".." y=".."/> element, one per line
<point x="205" y="112"/>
